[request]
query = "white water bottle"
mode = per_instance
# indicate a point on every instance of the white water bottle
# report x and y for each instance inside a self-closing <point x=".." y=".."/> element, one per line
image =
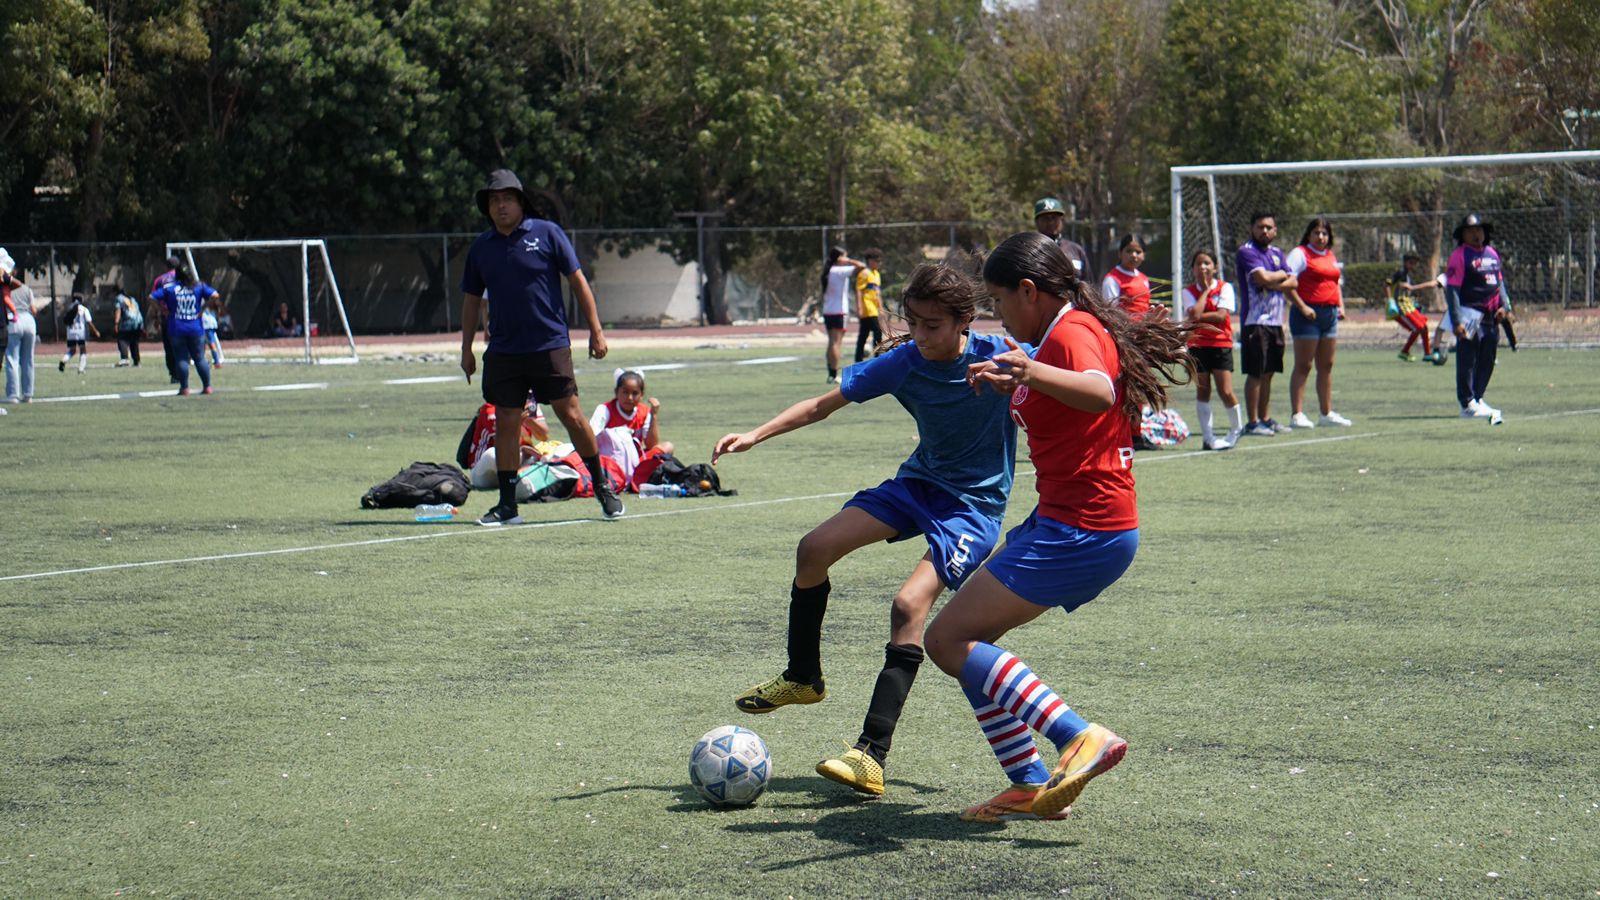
<point x="660" y="490"/>
<point x="435" y="512"/>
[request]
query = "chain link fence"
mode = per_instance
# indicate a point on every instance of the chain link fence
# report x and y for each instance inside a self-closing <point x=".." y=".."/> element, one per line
<point x="410" y="283"/>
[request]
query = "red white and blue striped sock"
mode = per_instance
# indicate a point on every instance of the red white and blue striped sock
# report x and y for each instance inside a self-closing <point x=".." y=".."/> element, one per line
<point x="1012" y="686"/>
<point x="1009" y="738"/>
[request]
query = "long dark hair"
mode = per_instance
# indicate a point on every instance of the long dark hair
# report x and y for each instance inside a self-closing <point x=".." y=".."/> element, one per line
<point x="834" y="253"/>
<point x="1313" y="225"/>
<point x="1147" y="346"/>
<point x="952" y="283"/>
<point x="184" y="276"/>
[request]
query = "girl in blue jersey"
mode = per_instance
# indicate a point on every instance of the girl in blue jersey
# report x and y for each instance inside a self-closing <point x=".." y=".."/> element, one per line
<point x="952" y="491"/>
<point x="184" y="298"/>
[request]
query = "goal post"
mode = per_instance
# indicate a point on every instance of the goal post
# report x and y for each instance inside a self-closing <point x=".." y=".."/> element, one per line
<point x="1546" y="207"/>
<point x="312" y="258"/>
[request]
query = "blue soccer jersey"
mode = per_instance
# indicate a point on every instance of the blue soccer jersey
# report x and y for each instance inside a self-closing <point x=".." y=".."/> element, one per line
<point x="184" y="304"/>
<point x="967" y="443"/>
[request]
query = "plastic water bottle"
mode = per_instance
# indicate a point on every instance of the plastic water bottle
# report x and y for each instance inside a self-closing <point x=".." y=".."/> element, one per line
<point x="435" y="512"/>
<point x="661" y="490"/>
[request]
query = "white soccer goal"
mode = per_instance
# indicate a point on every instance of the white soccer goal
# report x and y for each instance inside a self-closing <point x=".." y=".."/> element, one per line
<point x="1544" y="207"/>
<point x="305" y="280"/>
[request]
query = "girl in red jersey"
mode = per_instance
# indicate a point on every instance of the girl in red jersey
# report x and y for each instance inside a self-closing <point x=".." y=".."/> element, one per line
<point x="1078" y="396"/>
<point x="1125" y="284"/>
<point x="629" y="430"/>
<point x="1317" y="306"/>
<point x="1209" y="303"/>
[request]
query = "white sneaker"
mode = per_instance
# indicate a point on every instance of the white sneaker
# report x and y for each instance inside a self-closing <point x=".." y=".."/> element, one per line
<point x="1232" y="437"/>
<point x="1485" y="411"/>
<point x="1301" y="420"/>
<point x="1217" y="444"/>
<point x="1333" y="418"/>
<point x="1470" y="411"/>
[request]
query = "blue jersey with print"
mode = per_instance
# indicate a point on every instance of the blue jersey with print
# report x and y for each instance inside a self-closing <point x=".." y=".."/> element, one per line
<point x="183" y="304"/>
<point x="520" y="273"/>
<point x="967" y="443"/>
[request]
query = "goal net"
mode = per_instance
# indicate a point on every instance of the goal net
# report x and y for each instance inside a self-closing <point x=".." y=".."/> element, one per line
<point x="1543" y="206"/>
<point x="281" y="290"/>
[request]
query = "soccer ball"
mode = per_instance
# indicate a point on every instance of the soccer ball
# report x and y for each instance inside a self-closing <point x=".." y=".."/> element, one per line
<point x="730" y="766"/>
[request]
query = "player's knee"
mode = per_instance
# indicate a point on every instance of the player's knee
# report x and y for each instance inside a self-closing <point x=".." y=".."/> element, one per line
<point x="814" y="552"/>
<point x="944" y="648"/>
<point x="907" y="612"/>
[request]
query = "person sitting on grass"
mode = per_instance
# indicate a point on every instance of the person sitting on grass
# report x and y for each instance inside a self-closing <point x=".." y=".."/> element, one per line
<point x="628" y="429"/>
<point x="475" y="453"/>
<point x="284" y="324"/>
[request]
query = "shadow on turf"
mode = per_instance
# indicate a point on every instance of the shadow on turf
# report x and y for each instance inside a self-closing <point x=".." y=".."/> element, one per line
<point x="863" y="826"/>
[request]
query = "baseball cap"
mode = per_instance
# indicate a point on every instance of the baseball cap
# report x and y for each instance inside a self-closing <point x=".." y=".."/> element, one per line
<point x="1046" y="205"/>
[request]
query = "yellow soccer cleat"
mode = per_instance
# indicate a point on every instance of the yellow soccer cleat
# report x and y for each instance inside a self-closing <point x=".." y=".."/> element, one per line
<point x="856" y="769"/>
<point x="1012" y="804"/>
<point x="780" y="691"/>
<point x="1091" y="753"/>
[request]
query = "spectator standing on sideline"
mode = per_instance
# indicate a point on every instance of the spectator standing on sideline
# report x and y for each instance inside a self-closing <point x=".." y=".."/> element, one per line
<point x="1050" y="218"/>
<point x="869" y="299"/>
<point x="1314" y="321"/>
<point x="160" y="318"/>
<point x="836" y="275"/>
<point x="22" y="332"/>
<point x="519" y="264"/>
<point x="1125" y="285"/>
<point x="1263" y="277"/>
<point x="128" y="322"/>
<point x="1475" y="289"/>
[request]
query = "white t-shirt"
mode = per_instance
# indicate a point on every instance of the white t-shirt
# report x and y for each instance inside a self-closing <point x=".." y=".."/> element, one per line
<point x="833" y="299"/>
<point x="78" y="328"/>
<point x="1225" y="300"/>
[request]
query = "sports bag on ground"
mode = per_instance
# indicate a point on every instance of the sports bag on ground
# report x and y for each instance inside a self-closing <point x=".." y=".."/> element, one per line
<point x="691" y="477"/>
<point x="419" y="483"/>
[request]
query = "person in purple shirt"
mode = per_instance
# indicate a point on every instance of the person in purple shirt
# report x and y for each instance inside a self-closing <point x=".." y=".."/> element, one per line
<point x="518" y="265"/>
<point x="1263" y="277"/>
<point x="1475" y="290"/>
<point x="161" y="281"/>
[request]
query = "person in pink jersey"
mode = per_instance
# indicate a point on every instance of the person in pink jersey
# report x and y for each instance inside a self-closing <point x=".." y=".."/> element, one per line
<point x="1316" y="307"/>
<point x="1077" y="396"/>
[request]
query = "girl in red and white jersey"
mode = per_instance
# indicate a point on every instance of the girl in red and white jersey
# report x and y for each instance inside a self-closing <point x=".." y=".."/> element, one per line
<point x="1317" y="306"/>
<point x="1209" y="304"/>
<point x="1125" y="284"/>
<point x="1078" y="396"/>
<point x="629" y="430"/>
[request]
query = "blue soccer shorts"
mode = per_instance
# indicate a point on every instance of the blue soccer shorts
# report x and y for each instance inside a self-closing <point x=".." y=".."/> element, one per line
<point x="959" y="536"/>
<point x="1051" y="563"/>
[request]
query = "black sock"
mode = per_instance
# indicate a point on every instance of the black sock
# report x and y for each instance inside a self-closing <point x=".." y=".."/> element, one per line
<point x="592" y="463"/>
<point x="832" y="372"/>
<point x="900" y="662"/>
<point x="806" y="609"/>
<point x="508" y="489"/>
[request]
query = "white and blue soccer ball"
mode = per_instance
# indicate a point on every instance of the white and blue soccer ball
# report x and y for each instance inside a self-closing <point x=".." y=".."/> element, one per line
<point x="730" y="766"/>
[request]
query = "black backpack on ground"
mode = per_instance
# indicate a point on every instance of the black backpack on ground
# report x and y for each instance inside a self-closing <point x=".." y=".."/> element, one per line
<point x="673" y="471"/>
<point x="419" y="483"/>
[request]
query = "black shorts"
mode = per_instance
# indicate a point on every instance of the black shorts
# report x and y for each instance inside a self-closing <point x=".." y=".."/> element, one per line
<point x="77" y="344"/>
<point x="1212" y="359"/>
<point x="1262" y="348"/>
<point x="508" y="378"/>
<point x="834" y="323"/>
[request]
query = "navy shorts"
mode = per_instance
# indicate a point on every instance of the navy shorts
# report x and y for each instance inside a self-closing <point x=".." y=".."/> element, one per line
<point x="1051" y="563"/>
<point x="1325" y="324"/>
<point x="959" y="536"/>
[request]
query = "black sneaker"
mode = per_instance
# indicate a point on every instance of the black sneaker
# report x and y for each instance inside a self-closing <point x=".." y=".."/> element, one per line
<point x="610" y="503"/>
<point x="500" y="515"/>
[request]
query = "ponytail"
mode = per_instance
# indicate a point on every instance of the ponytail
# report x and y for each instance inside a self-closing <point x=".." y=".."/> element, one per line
<point x="1149" y="345"/>
<point x="834" y="253"/>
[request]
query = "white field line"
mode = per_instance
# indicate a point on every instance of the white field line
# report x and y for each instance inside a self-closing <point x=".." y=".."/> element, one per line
<point x="766" y="360"/>
<point x="426" y="379"/>
<point x="306" y="386"/>
<point x="688" y="510"/>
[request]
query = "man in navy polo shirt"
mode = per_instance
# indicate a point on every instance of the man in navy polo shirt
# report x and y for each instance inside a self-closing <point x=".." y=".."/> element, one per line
<point x="518" y="266"/>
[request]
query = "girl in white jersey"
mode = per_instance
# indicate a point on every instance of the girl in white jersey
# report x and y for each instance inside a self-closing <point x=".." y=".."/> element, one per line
<point x="837" y="274"/>
<point x="79" y="326"/>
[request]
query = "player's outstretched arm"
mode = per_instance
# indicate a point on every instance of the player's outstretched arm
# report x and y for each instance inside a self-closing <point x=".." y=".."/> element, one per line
<point x="800" y="415"/>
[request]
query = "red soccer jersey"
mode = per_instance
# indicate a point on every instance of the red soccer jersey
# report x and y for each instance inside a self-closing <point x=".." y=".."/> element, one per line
<point x="1207" y="334"/>
<point x="1133" y="290"/>
<point x="1083" y="460"/>
<point x="1319" y="282"/>
<point x="635" y="423"/>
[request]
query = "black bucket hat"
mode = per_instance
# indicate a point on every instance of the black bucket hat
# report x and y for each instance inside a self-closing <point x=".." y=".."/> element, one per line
<point x="503" y="180"/>
<point x="1473" y="219"/>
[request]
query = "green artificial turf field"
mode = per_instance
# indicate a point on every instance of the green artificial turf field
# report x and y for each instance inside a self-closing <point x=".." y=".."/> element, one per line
<point x="1351" y="662"/>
